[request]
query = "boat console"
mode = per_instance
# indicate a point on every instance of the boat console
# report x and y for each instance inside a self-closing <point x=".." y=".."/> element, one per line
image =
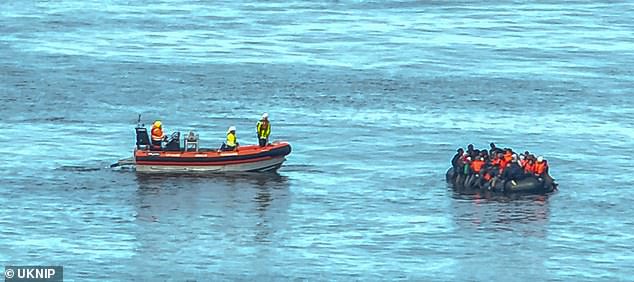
<point x="173" y="143"/>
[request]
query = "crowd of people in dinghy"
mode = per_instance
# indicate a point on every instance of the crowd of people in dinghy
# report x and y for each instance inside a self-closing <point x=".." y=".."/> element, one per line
<point x="484" y="168"/>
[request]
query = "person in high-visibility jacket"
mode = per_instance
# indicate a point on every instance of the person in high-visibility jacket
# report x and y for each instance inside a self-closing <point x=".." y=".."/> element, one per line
<point x="541" y="167"/>
<point x="232" y="141"/>
<point x="476" y="169"/>
<point x="157" y="134"/>
<point x="529" y="168"/>
<point x="263" y="129"/>
<point x="541" y="172"/>
<point x="477" y="164"/>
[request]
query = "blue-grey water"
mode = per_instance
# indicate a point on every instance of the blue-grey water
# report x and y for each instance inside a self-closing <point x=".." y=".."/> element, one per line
<point x="374" y="96"/>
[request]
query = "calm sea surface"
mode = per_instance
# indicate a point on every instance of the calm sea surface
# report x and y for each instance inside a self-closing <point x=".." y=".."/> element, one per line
<point x="374" y="96"/>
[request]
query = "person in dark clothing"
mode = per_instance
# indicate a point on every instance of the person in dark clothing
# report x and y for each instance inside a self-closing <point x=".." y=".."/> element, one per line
<point x="470" y="149"/>
<point x="513" y="172"/>
<point x="484" y="154"/>
<point x="455" y="161"/>
<point x="494" y="149"/>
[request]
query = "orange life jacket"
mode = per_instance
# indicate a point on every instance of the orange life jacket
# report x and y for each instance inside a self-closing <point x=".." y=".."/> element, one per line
<point x="540" y="168"/>
<point x="503" y="164"/>
<point x="508" y="157"/>
<point x="477" y="165"/>
<point x="157" y="134"/>
<point x="523" y="163"/>
<point x="529" y="168"/>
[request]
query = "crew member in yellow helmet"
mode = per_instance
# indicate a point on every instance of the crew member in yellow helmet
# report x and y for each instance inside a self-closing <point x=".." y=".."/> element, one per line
<point x="157" y="134"/>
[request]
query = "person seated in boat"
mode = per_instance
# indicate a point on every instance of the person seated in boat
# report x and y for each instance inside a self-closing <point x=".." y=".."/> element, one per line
<point x="477" y="166"/>
<point x="157" y="135"/>
<point x="232" y="141"/>
<point x="484" y="154"/>
<point x="529" y="165"/>
<point x="492" y="166"/>
<point x="470" y="150"/>
<point x="466" y="168"/>
<point x="494" y="149"/>
<point x="499" y="166"/>
<point x="505" y="159"/>
<point x="455" y="161"/>
<point x="263" y="129"/>
<point x="541" y="167"/>
<point x="540" y="170"/>
<point x="501" y="162"/>
<point x="494" y="173"/>
<point x="527" y="154"/>
<point x="508" y="155"/>
<point x="465" y="161"/>
<point x="488" y="172"/>
<point x="513" y="170"/>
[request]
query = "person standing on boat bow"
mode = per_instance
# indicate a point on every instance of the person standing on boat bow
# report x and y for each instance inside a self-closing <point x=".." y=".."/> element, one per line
<point x="263" y="129"/>
<point x="232" y="141"/>
<point x="157" y="135"/>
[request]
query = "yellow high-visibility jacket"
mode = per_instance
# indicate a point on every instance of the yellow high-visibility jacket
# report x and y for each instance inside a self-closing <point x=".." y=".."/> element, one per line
<point x="231" y="140"/>
<point x="264" y="129"/>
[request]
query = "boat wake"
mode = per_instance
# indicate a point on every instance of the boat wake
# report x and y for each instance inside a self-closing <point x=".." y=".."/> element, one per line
<point x="78" y="168"/>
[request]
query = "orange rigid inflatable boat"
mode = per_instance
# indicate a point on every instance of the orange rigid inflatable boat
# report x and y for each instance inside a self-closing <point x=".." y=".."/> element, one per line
<point x="173" y="157"/>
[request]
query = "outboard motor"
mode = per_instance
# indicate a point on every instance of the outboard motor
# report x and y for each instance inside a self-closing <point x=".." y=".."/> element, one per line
<point x="173" y="143"/>
<point x="142" y="137"/>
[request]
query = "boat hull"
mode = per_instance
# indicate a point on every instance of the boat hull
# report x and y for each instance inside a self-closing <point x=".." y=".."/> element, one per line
<point x="245" y="159"/>
<point x="529" y="185"/>
<point x="259" y="166"/>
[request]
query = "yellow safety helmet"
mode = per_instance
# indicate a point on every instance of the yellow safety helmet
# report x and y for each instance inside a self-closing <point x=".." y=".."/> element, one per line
<point x="157" y="123"/>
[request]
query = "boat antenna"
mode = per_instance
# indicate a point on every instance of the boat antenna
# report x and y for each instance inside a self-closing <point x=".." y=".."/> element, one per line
<point x="138" y="122"/>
